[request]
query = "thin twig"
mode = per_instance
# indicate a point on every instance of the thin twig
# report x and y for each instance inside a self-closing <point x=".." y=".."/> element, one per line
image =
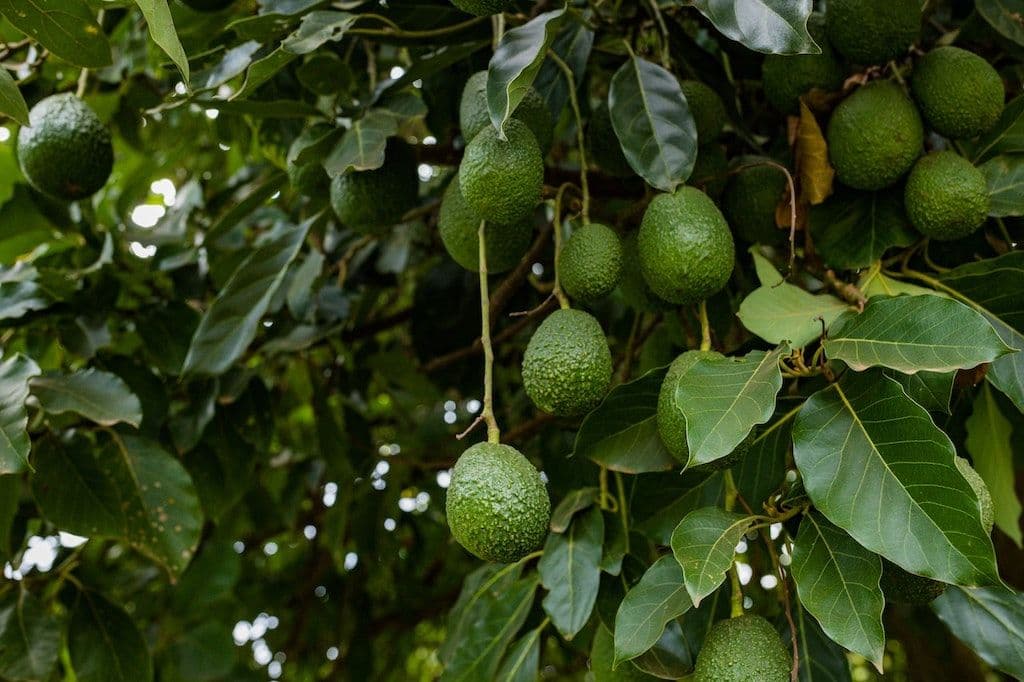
<point x="574" y="102"/>
<point x="705" y="327"/>
<point x="487" y="414"/>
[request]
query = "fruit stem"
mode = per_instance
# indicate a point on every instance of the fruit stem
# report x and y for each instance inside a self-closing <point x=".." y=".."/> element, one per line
<point x="493" y="432"/>
<point x="705" y="327"/>
<point x="575" y="103"/>
<point x="563" y="300"/>
<point x="498" y="29"/>
<point x="731" y="495"/>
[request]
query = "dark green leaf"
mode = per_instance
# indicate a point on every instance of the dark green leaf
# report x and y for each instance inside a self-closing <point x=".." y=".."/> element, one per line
<point x="473" y="600"/>
<point x="678" y="501"/>
<point x="704" y="544"/>
<point x="15" y="373"/>
<point x="317" y="28"/>
<point x="772" y="26"/>
<point x="988" y="442"/>
<point x="659" y="597"/>
<point x="1005" y="178"/>
<point x="821" y="659"/>
<point x="523" y="659"/>
<point x="11" y="101"/>
<point x="930" y="390"/>
<point x="669" y="658"/>
<point x="362" y="146"/>
<point x="854" y="229"/>
<point x="1004" y="17"/>
<point x="570" y="571"/>
<point x="763" y="469"/>
<point x="161" y="29"/>
<point x="990" y="620"/>
<point x="67" y="28"/>
<point x="99" y="396"/>
<point x="572" y="44"/>
<point x="30" y="637"/>
<point x="104" y="644"/>
<point x="571" y="504"/>
<point x="1007" y="135"/>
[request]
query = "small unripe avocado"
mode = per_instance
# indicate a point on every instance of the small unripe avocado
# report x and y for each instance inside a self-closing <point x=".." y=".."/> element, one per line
<point x="874" y="136"/>
<point x="603" y="144"/>
<point x="502" y="179"/>
<point x="685" y="247"/>
<point x="460" y="225"/>
<point x="711" y="170"/>
<point x="367" y="201"/>
<point x="873" y="31"/>
<point x="946" y="197"/>
<point x="497" y="505"/>
<point x="742" y="649"/>
<point x="902" y="587"/>
<point x="567" y="367"/>
<point x="787" y="77"/>
<point x="707" y="110"/>
<point x="66" y="152"/>
<point x="959" y="93"/>
<point x="750" y="199"/>
<point x="590" y="265"/>
<point x="474" y="117"/>
<point x="602" y="657"/>
<point x="482" y="8"/>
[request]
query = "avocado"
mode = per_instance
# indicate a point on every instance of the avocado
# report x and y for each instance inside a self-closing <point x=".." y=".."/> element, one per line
<point x="874" y="136"/>
<point x="872" y="31"/>
<point x="946" y="197"/>
<point x="66" y="153"/>
<point x="632" y="286"/>
<point x="207" y="5"/>
<point x="482" y="8"/>
<point x="502" y="179"/>
<point x="902" y="587"/>
<point x="603" y="144"/>
<point x="685" y="247"/>
<point x="602" y="657"/>
<point x="750" y="199"/>
<point x="787" y="77"/>
<point x="460" y="226"/>
<point x="309" y="179"/>
<point x="474" y="116"/>
<point x="711" y="170"/>
<point x="367" y="201"/>
<point x="590" y="265"/>
<point x="497" y="505"/>
<point x="707" y="110"/>
<point x="742" y="649"/>
<point x="960" y="94"/>
<point x="567" y="367"/>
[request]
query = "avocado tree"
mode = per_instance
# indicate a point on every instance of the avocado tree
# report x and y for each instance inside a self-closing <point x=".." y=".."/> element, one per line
<point x="506" y="340"/>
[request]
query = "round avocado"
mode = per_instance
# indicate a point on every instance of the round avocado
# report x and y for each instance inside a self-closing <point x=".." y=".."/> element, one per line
<point x="502" y="179"/>
<point x="603" y="144"/>
<point x="707" y="110"/>
<point x="474" y="116"/>
<point x="207" y="5"/>
<point x="902" y="587"/>
<point x="367" y="201"/>
<point x="567" y="367"/>
<point x="309" y="179"/>
<point x="632" y="286"/>
<point x="590" y="265"/>
<point x="742" y="649"/>
<point x="787" y="77"/>
<point x="602" y="657"/>
<point x="685" y="247"/>
<point x="874" y="136"/>
<point x="497" y="505"/>
<point x="66" y="153"/>
<point x="460" y="226"/>
<point x="959" y="93"/>
<point x="988" y="512"/>
<point x="711" y="170"/>
<point x="872" y="31"/>
<point x="946" y="197"/>
<point x="482" y="8"/>
<point x="750" y="199"/>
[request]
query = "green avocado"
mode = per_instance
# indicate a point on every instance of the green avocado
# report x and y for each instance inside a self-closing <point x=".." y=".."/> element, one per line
<point x="743" y="649"/>
<point x="474" y="116"/>
<point x="707" y="110"/>
<point x="460" y="226"/>
<point x="603" y="144"/>
<point x="750" y="199"/>
<point x="946" y="197"/>
<point x="959" y="93"/>
<point x="66" y="153"/>
<point x="367" y="201"/>
<point x="567" y="367"/>
<point x="711" y="170"/>
<point x="872" y="31"/>
<point x="590" y="265"/>
<point x="685" y="247"/>
<point x="874" y="136"/>
<point x="602" y="657"/>
<point x="787" y="77"/>
<point x="482" y="8"/>
<point x="497" y="505"/>
<point x="502" y="179"/>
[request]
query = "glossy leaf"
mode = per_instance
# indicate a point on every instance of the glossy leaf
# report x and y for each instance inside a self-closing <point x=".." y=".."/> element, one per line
<point x="573" y="45"/>
<point x="161" y="29"/>
<point x="990" y="620"/>
<point x="104" y="644"/>
<point x="1005" y="178"/>
<point x="854" y="229"/>
<point x="771" y="26"/>
<point x="875" y="465"/>
<point x="704" y="544"/>
<point x="363" y="145"/>
<point x="15" y="374"/>
<point x="571" y="504"/>
<point x="659" y="597"/>
<point x="787" y="313"/>
<point x="67" y="28"/>
<point x="12" y="103"/>
<point x="653" y="122"/>
<point x="318" y="27"/>
<point x="763" y="469"/>
<point x="988" y="442"/>
<point x="838" y="583"/>
<point x="1007" y="135"/>
<point x="570" y="571"/>
<point x="99" y="396"/>
<point x="523" y="659"/>
<point x="30" y="637"/>
<point x="669" y="658"/>
<point x="1004" y="17"/>
<point x="930" y="390"/>
<point x="681" y="498"/>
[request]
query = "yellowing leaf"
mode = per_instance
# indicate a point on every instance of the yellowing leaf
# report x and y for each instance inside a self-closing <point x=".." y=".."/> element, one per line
<point x="812" y="164"/>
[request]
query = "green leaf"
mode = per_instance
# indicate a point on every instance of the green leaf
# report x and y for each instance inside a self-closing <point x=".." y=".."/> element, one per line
<point x="988" y="442"/>
<point x="837" y="581"/>
<point x="770" y="26"/>
<point x="163" y="33"/>
<point x="318" y="27"/>
<point x="704" y="544"/>
<point x="523" y="659"/>
<point x="472" y="601"/>
<point x="362" y="146"/>
<point x="659" y="597"/>
<point x="573" y="45"/>
<point x="930" y="390"/>
<point x="574" y="502"/>
<point x="653" y="122"/>
<point x="874" y="282"/>
<point x="622" y="432"/>
<point x="1005" y="178"/>
<point x="100" y="396"/>
<point x="11" y="101"/>
<point x="1007" y="135"/>
<point x="265" y="65"/>
<point x="104" y="645"/>
<point x="1004" y="17"/>
<point x="515" y="64"/>
<point x="127" y="488"/>
<point x="821" y="659"/>
<point x="67" y="28"/>
<point x="990" y="620"/>
<point x="30" y="637"/>
<point x="875" y="465"/>
<point x="231" y="322"/>
<point x="983" y="286"/>
<point x="671" y="498"/>
<point x="763" y="469"/>
<point x="767" y="275"/>
<point x="15" y="373"/>
<point x="724" y="398"/>
<point x="10" y="498"/>
<point x="570" y="571"/>
<point x="669" y="658"/>
<point x="788" y="313"/>
<point x="496" y="619"/>
<point x="852" y="230"/>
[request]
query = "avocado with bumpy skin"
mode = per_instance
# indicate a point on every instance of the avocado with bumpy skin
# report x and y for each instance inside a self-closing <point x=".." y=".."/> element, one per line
<point x="460" y="232"/>
<point x="367" y="201"/>
<point x="567" y="367"/>
<point x="707" y="110"/>
<point x="872" y="31"/>
<point x="787" y="77"/>
<point x="750" y="200"/>
<point x="946" y="197"/>
<point x="474" y="115"/>
<point x="66" y="152"/>
<point x="497" y="505"/>
<point x="742" y="649"/>
<point x="959" y="93"/>
<point x="590" y="265"/>
<point x="502" y="179"/>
